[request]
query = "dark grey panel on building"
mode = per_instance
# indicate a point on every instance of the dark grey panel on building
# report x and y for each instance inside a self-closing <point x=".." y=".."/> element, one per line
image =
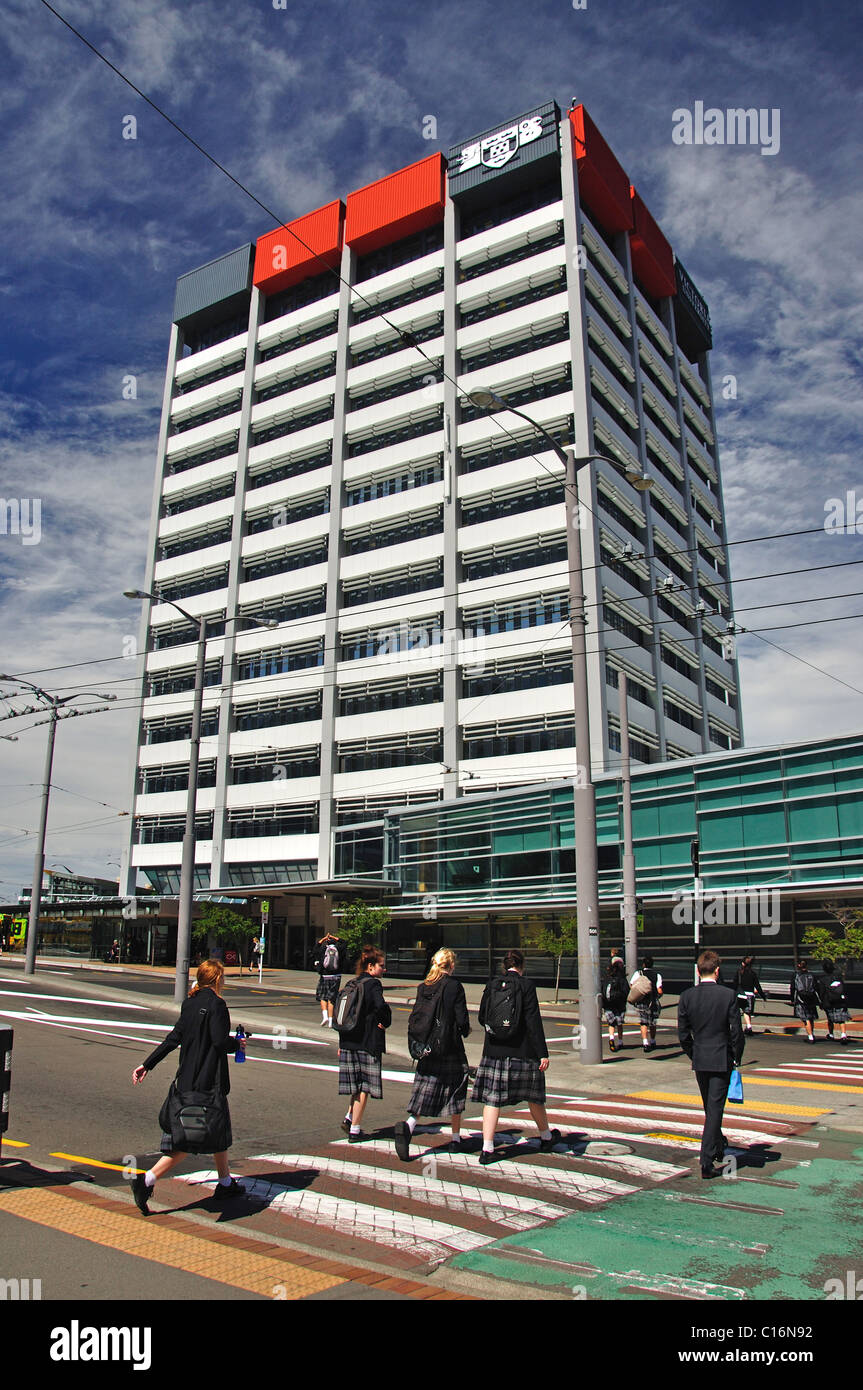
<point x="691" y="315"/>
<point x="515" y="149"/>
<point x="218" y="287"/>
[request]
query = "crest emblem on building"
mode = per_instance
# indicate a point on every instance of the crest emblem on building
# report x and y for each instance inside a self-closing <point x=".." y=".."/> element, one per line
<point x="498" y="149"/>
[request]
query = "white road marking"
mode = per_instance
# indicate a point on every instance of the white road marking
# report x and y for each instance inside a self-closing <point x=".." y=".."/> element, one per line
<point x="75" y="999"/>
<point x="586" y="1187"/>
<point x="517" y="1213"/>
<point x="418" y="1235"/>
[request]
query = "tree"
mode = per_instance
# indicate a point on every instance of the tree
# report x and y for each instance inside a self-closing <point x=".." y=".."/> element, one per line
<point x="556" y="942"/>
<point x="223" y="925"/>
<point x="361" y="922"/>
<point x="823" y="942"/>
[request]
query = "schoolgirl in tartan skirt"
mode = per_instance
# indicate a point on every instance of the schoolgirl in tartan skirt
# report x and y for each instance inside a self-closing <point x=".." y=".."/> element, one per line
<point x="513" y="1072"/>
<point x="441" y="1080"/>
<point x="360" y="1051"/>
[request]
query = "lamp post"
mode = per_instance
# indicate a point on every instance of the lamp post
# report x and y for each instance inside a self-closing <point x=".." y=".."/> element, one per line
<point x="187" y="868"/>
<point x="584" y="795"/>
<point x="55" y="704"/>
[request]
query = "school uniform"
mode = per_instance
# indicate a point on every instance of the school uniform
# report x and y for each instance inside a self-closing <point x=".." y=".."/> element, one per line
<point x="440" y="1081"/>
<point x="360" y="1051"/>
<point x="509" y="1072"/>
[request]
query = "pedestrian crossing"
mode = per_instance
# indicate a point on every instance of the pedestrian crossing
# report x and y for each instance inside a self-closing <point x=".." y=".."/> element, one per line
<point x="361" y="1198"/>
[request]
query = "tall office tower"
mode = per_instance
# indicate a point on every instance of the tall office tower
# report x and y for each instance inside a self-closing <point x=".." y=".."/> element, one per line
<point x="320" y="465"/>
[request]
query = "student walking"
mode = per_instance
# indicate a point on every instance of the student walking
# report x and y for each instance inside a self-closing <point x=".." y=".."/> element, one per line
<point x="439" y="1022"/>
<point x="644" y="993"/>
<point x="614" y="997"/>
<point x="708" y="1025"/>
<point x="362" y="1045"/>
<point x="203" y="1035"/>
<point x="804" y="997"/>
<point x="515" y="1055"/>
<point x="746" y="986"/>
<point x="831" y="993"/>
<point x="330" y="961"/>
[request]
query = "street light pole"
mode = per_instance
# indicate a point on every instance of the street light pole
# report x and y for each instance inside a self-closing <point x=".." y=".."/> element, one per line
<point x="630" y="916"/>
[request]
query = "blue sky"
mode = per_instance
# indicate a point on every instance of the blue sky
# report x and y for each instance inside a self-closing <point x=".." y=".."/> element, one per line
<point x="304" y="104"/>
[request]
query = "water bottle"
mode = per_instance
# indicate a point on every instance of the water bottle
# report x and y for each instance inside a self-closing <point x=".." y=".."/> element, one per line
<point x="240" y="1036"/>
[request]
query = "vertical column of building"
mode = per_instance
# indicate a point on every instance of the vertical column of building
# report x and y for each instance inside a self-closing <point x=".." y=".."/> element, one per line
<point x="691" y="537"/>
<point x="583" y="442"/>
<point x="653" y="608"/>
<point x="329" y="703"/>
<point x="452" y="740"/>
<point x="235" y="577"/>
<point x="128" y="871"/>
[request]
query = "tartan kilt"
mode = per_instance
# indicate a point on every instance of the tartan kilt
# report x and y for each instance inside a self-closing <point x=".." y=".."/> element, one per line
<point x="840" y="1015"/>
<point x="508" y="1081"/>
<point x="359" y="1071"/>
<point x="328" y="989"/>
<point x="440" y="1086"/>
<point x="649" y="1011"/>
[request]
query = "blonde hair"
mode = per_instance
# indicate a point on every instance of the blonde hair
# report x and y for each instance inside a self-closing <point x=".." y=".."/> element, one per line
<point x="442" y="962"/>
<point x="210" y="973"/>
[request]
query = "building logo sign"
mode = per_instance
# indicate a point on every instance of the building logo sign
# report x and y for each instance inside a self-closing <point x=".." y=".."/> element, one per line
<point x="494" y="151"/>
<point x="529" y="137"/>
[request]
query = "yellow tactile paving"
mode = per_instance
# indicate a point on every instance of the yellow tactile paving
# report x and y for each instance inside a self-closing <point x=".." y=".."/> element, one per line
<point x="683" y="1098"/>
<point x="241" y="1269"/>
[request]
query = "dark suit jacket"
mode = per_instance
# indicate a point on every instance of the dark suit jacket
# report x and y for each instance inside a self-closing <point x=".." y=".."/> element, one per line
<point x="708" y="1024"/>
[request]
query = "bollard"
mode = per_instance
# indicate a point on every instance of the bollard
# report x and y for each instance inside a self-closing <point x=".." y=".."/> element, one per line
<point x="6" y="1037"/>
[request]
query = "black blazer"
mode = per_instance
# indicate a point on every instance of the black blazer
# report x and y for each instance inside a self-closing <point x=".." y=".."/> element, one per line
<point x="367" y="1036"/>
<point x="203" y="1049"/>
<point x="708" y="1024"/>
<point x="528" y="1041"/>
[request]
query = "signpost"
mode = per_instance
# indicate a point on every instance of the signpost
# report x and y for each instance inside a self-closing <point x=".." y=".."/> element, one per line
<point x="265" y="918"/>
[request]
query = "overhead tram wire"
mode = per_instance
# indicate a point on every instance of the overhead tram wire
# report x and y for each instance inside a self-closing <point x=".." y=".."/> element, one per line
<point x="504" y="583"/>
<point x="403" y="334"/>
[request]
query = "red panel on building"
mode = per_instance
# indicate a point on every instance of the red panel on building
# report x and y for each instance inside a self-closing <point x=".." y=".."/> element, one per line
<point x="602" y="183"/>
<point x="283" y="259"/>
<point x="652" y="257"/>
<point x="396" y="206"/>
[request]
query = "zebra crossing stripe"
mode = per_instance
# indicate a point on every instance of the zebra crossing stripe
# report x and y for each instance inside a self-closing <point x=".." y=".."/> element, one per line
<point x="509" y="1209"/>
<point x="584" y="1187"/>
<point x="420" y="1236"/>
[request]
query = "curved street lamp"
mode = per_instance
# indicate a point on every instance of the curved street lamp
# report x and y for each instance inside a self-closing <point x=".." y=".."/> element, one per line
<point x="584" y="795"/>
<point x="187" y="869"/>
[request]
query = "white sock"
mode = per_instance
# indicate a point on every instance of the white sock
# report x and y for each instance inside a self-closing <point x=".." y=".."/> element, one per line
<point x="411" y="1123"/>
<point x="149" y="1179"/>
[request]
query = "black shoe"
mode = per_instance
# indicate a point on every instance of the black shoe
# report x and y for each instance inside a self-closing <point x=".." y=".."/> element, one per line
<point x="355" y="1138"/>
<point x="546" y="1145"/>
<point x="403" y="1141"/>
<point x="224" y="1192"/>
<point x="141" y="1193"/>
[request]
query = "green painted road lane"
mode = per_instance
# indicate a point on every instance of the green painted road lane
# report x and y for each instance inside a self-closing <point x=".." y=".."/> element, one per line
<point x="720" y="1240"/>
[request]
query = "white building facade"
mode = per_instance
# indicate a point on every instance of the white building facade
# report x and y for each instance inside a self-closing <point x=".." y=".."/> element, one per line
<point x="320" y="466"/>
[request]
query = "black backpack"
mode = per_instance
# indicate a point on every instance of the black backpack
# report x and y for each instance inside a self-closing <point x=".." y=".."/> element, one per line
<point x="804" y="986"/>
<point x="349" y="1006"/>
<point x="503" y="1007"/>
<point x="425" y="1025"/>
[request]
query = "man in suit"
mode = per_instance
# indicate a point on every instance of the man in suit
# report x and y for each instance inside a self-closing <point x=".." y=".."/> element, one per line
<point x="708" y="1025"/>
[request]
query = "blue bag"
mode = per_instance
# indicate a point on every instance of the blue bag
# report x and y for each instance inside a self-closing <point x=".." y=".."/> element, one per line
<point x="735" y="1088"/>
